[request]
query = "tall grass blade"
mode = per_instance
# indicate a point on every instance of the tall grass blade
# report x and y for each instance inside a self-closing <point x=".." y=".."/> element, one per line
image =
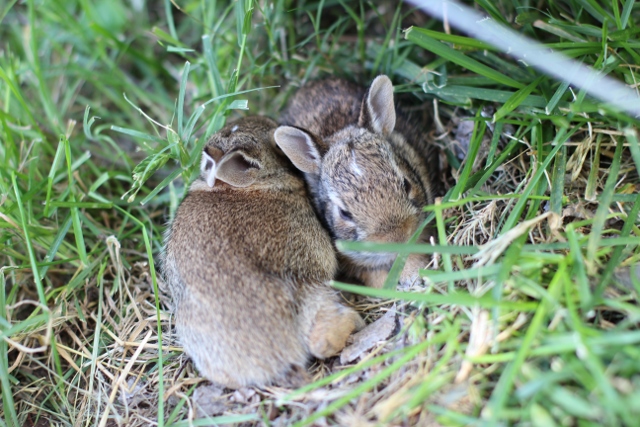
<point x="416" y="35"/>
<point x="27" y="238"/>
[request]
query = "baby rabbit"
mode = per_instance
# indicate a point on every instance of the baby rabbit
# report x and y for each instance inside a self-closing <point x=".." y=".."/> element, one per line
<point x="369" y="169"/>
<point x="248" y="263"/>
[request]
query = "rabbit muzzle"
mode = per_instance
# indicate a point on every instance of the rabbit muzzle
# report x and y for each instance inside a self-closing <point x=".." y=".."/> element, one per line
<point x="396" y="231"/>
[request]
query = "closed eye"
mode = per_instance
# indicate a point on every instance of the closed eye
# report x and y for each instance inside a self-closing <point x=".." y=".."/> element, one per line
<point x="345" y="215"/>
<point x="406" y="185"/>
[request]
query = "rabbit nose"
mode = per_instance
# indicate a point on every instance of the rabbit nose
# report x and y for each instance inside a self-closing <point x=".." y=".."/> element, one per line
<point x="398" y="231"/>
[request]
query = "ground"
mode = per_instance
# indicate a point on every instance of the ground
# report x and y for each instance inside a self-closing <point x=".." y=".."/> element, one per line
<point x="526" y="315"/>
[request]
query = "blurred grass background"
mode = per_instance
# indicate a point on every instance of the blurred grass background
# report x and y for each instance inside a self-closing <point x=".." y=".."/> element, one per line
<point x="530" y="304"/>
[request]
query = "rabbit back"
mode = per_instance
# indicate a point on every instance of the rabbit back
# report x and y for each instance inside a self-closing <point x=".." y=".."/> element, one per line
<point x="323" y="107"/>
<point x="238" y="286"/>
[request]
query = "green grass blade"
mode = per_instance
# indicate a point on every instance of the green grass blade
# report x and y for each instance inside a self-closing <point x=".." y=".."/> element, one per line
<point x="416" y="35"/>
<point x="55" y="245"/>
<point x="484" y="94"/>
<point x="442" y="239"/>
<point x="632" y="136"/>
<point x="169" y="14"/>
<point x="457" y="298"/>
<point x="181" y="95"/>
<point x="592" y="181"/>
<point x="579" y="269"/>
<point x="516" y="99"/>
<point x="514" y="217"/>
<point x="405" y="248"/>
<point x="604" y="202"/>
<point x="614" y="260"/>
<point x="457" y="40"/>
<point x="217" y="87"/>
<point x="173" y="175"/>
<point x="502" y="390"/>
<point x="8" y="402"/>
<point x="626" y="12"/>
<point x="476" y="140"/>
<point x="557" y="181"/>
<point x="27" y="238"/>
<point x="52" y="173"/>
<point x="492" y="10"/>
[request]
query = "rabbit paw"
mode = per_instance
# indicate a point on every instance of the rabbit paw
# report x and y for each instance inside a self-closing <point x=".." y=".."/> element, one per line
<point x="331" y="330"/>
<point x="374" y="278"/>
<point x="410" y="274"/>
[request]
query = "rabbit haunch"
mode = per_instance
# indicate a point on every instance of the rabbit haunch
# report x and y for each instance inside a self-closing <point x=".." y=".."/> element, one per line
<point x="369" y="169"/>
<point x="248" y="264"/>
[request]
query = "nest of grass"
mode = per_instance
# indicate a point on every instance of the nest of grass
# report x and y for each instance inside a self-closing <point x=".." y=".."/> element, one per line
<point x="114" y="378"/>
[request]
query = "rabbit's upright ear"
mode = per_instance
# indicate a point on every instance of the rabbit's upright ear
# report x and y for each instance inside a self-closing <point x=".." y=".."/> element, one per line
<point x="378" y="112"/>
<point x="299" y="147"/>
<point x="238" y="169"/>
<point x="209" y="164"/>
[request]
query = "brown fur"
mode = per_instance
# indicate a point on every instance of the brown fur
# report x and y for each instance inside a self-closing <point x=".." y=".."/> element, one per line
<point x="372" y="168"/>
<point x="248" y="266"/>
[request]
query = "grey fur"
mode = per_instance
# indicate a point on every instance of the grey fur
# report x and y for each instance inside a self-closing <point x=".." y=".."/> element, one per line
<point x="373" y="175"/>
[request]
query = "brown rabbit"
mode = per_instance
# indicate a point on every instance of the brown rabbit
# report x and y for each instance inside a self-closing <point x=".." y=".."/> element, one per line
<point x="248" y="264"/>
<point x="370" y="171"/>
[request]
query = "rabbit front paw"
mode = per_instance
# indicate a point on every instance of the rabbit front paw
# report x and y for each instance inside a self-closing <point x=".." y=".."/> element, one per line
<point x="374" y="278"/>
<point x="330" y="332"/>
<point x="410" y="274"/>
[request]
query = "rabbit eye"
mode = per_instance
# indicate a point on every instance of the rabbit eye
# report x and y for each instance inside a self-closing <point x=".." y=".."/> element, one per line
<point x="346" y="215"/>
<point x="406" y="185"/>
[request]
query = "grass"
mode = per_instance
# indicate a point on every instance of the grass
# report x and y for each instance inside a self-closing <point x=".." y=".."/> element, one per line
<point x="528" y="314"/>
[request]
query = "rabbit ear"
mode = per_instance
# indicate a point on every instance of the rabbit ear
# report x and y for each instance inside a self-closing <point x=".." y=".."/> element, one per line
<point x="209" y="164"/>
<point x="378" y="112"/>
<point x="299" y="147"/>
<point x="238" y="169"/>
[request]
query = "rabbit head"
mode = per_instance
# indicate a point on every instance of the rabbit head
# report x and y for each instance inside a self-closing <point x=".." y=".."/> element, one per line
<point x="361" y="177"/>
<point x="242" y="153"/>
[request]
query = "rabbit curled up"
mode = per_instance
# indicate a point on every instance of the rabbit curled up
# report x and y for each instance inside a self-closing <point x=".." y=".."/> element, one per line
<point x="248" y="263"/>
<point x="370" y="169"/>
